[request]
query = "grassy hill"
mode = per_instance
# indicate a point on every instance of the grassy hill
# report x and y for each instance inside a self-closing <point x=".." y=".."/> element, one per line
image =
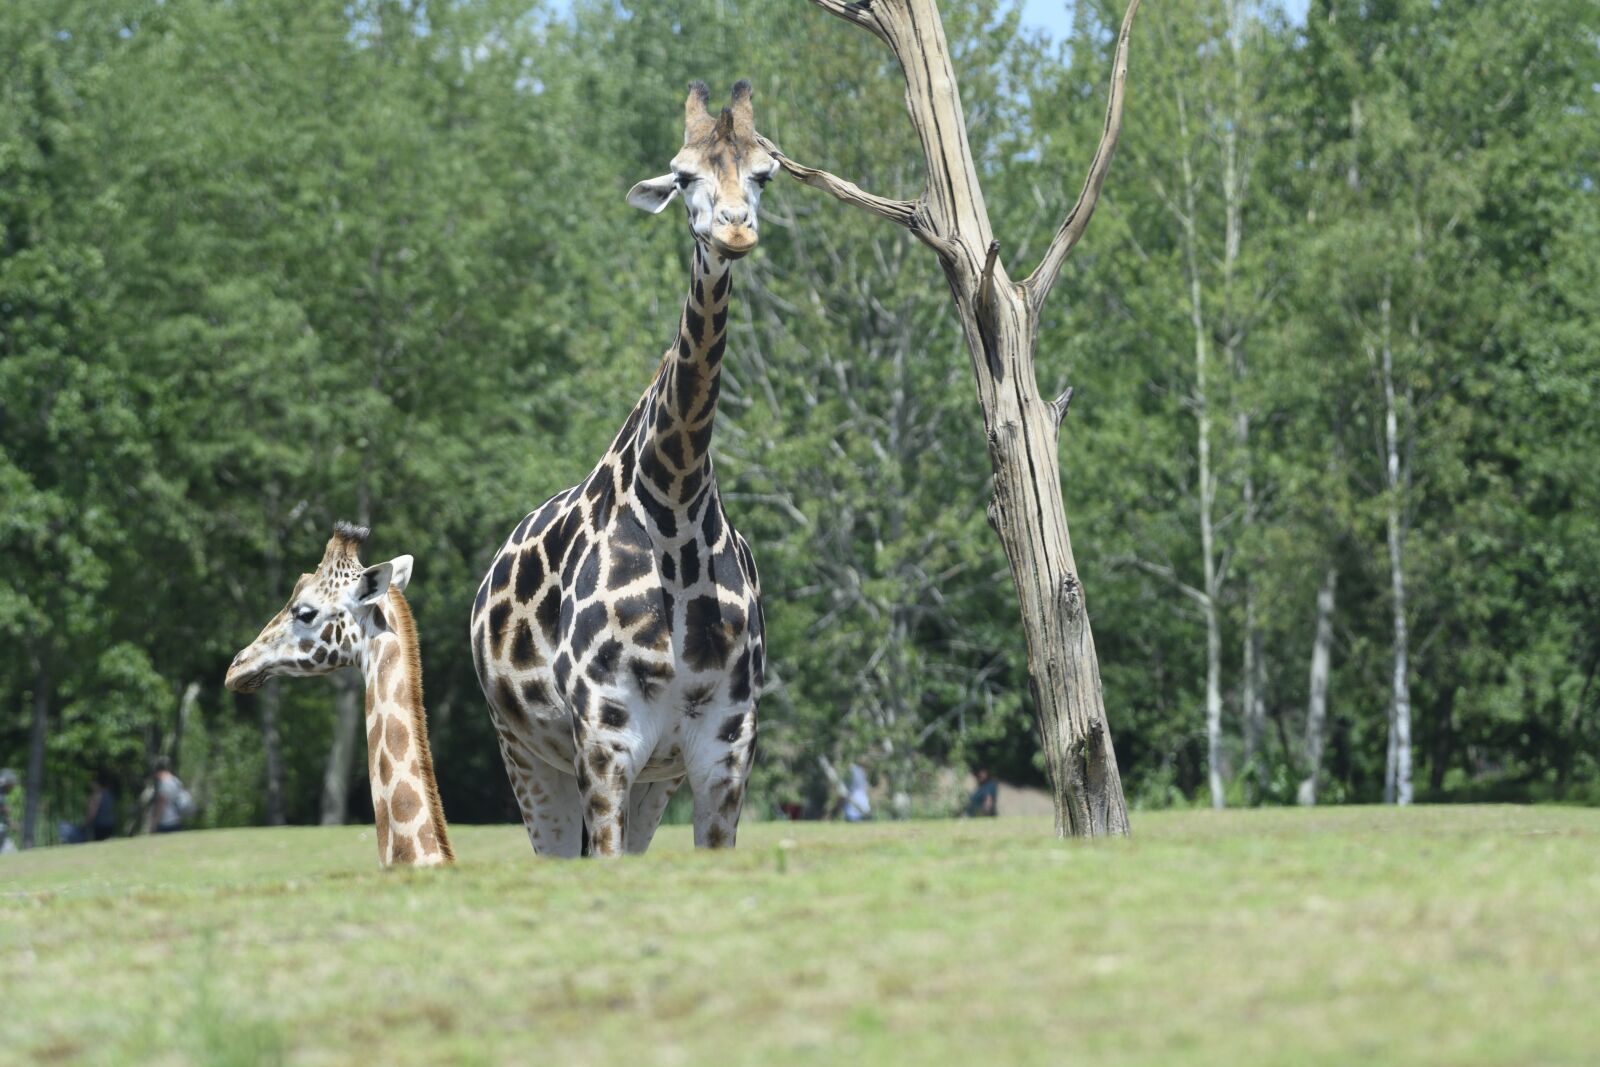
<point x="1439" y="936"/>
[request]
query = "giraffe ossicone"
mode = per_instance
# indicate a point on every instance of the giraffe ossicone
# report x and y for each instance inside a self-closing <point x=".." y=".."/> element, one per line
<point x="345" y="614"/>
<point x="618" y="635"/>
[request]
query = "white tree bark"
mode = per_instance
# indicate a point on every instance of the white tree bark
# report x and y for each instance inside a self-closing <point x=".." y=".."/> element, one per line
<point x="1200" y="402"/>
<point x="1317" y="705"/>
<point x="1397" y="778"/>
<point x="1233" y="334"/>
<point x="1000" y="321"/>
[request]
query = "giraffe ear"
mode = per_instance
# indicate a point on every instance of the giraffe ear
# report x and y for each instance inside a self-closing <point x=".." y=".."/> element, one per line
<point x="376" y="581"/>
<point x="654" y="194"/>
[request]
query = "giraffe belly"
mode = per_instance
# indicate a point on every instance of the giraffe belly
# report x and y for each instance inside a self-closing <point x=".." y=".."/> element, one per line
<point x="546" y="735"/>
<point x="577" y="620"/>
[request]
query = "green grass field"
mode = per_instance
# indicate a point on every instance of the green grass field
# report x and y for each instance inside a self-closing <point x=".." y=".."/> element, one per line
<point x="1430" y="936"/>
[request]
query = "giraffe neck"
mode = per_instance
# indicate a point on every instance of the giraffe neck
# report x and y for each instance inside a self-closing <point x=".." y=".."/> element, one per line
<point x="405" y="799"/>
<point x="676" y="415"/>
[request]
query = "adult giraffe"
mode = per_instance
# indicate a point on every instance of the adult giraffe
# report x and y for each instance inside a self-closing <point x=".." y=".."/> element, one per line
<point x="618" y="634"/>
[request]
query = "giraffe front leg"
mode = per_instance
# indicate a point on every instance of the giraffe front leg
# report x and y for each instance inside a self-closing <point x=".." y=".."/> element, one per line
<point x="549" y="801"/>
<point x="719" y="769"/>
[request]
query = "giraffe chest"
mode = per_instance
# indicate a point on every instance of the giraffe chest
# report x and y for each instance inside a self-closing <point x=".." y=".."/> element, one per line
<point x="672" y="631"/>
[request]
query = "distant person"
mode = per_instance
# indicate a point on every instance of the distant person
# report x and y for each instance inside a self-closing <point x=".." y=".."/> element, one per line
<point x="100" y="820"/>
<point x="857" y="805"/>
<point x="172" y="803"/>
<point x="8" y="783"/>
<point x="985" y="800"/>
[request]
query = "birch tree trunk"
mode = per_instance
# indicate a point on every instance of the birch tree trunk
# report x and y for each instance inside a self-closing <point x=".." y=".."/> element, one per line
<point x="1397" y="783"/>
<point x="348" y="704"/>
<point x="1000" y="320"/>
<point x="38" y="733"/>
<point x="1200" y="401"/>
<point x="1317" y="705"/>
<point x="1233" y="333"/>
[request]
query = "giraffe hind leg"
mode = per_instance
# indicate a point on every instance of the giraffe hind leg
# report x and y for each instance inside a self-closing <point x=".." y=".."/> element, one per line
<point x="719" y="770"/>
<point x="646" y="804"/>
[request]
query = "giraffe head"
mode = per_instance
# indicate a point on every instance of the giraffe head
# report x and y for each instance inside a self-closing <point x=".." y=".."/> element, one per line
<point x="719" y="171"/>
<point x="328" y="617"/>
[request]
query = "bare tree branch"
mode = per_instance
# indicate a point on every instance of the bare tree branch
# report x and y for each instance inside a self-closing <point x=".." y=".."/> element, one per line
<point x="1167" y="571"/>
<point x="903" y="212"/>
<point x="858" y="12"/>
<point x="1061" y="403"/>
<point x="986" y="279"/>
<point x="1040" y="282"/>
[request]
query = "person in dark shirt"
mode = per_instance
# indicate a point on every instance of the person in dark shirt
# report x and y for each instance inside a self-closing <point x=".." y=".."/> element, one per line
<point x="101" y="821"/>
<point x="985" y="800"/>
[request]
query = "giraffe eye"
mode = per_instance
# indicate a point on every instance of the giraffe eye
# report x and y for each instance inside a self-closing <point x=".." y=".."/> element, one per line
<point x="305" y="615"/>
<point x="684" y="180"/>
<point x="763" y="179"/>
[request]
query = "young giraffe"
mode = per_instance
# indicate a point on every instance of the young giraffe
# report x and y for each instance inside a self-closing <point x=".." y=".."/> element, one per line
<point x="618" y="635"/>
<point x="349" y="615"/>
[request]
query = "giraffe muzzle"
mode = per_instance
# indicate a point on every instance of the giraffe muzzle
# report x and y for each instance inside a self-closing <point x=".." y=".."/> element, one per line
<point x="244" y="677"/>
<point x="733" y="242"/>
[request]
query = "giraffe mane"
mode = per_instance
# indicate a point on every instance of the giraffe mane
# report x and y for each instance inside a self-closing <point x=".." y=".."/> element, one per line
<point x="399" y="619"/>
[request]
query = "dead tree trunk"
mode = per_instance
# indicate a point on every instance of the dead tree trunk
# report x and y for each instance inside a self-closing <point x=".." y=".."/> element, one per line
<point x="1000" y="320"/>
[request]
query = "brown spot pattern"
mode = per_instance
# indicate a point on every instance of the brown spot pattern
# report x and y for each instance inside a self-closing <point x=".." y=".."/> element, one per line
<point x="380" y="818"/>
<point x="404" y="850"/>
<point x="404" y="803"/>
<point x="397" y="736"/>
